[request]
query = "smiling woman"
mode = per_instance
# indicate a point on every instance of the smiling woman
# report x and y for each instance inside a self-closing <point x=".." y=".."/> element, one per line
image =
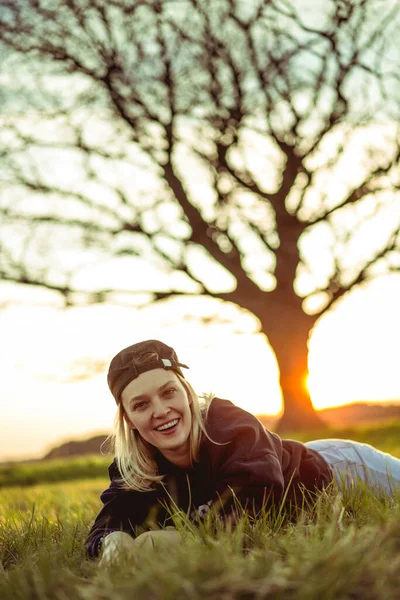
<point x="172" y="451"/>
<point x="156" y="405"/>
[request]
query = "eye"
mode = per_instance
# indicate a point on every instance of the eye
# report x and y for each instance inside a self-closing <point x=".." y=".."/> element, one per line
<point x="139" y="405"/>
<point x="169" y="391"/>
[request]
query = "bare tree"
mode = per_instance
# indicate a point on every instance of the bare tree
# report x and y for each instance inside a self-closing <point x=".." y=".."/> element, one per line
<point x="250" y="150"/>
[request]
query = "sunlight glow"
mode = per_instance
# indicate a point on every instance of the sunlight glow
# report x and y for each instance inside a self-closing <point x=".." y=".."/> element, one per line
<point x="45" y="353"/>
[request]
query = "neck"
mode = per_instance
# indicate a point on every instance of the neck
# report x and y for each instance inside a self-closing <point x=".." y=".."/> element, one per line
<point x="181" y="460"/>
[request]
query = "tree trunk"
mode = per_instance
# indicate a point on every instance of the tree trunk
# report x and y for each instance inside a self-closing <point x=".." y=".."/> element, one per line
<point x="288" y="332"/>
<point x="299" y="413"/>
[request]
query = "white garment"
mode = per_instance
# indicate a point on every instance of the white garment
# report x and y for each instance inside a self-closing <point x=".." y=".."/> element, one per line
<point x="351" y="461"/>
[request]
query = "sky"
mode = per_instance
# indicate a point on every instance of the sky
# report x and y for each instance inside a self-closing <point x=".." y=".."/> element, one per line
<point x="54" y="361"/>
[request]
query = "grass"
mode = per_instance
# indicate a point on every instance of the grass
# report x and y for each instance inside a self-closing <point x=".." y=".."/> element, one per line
<point x="346" y="546"/>
<point x="50" y="471"/>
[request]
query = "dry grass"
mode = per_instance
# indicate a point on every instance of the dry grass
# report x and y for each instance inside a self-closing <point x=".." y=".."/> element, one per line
<point x="347" y="546"/>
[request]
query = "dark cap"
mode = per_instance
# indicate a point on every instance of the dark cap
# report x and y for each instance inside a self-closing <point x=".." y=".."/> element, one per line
<point x="127" y="364"/>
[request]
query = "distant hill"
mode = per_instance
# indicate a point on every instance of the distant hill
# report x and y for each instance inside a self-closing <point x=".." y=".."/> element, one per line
<point x="77" y="448"/>
<point x="349" y="414"/>
<point x="360" y="412"/>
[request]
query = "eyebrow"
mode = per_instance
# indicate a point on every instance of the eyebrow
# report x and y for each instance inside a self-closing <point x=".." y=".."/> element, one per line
<point x="142" y="396"/>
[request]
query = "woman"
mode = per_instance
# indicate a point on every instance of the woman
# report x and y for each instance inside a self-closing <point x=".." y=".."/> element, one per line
<point x="171" y="451"/>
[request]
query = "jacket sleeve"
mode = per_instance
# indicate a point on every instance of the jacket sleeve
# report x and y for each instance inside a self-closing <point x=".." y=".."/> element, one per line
<point x="249" y="466"/>
<point x="122" y="511"/>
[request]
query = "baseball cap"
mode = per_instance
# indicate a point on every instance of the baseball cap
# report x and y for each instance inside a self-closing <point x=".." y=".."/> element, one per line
<point x="128" y="364"/>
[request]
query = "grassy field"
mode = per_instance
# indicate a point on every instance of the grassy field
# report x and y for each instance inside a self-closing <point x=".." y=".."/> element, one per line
<point x="51" y="471"/>
<point x="346" y="547"/>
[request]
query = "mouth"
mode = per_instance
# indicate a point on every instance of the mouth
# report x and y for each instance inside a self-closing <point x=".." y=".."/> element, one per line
<point x="169" y="427"/>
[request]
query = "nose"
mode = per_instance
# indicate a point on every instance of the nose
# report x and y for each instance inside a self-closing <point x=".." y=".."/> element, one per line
<point x="160" y="409"/>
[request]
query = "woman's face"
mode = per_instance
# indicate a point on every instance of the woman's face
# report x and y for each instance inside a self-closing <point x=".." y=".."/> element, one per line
<point x="157" y="399"/>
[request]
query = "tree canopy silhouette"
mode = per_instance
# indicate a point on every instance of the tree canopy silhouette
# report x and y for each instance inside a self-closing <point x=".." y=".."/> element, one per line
<point x="248" y="150"/>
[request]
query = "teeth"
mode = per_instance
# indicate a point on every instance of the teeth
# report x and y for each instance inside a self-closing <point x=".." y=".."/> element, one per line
<point x="167" y="425"/>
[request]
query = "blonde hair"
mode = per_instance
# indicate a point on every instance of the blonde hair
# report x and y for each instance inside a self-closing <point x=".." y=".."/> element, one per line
<point x="135" y="456"/>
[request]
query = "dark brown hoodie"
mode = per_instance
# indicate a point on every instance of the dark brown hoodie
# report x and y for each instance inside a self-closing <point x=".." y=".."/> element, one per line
<point x="257" y="465"/>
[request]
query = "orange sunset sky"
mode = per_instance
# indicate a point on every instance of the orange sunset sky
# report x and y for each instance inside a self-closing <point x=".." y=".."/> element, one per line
<point x="47" y="352"/>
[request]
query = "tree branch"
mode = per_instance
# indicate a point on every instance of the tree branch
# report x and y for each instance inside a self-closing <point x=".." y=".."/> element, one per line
<point x="336" y="288"/>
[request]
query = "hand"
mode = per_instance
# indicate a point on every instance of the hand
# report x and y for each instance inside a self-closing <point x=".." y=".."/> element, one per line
<point x="120" y="545"/>
<point x="116" y="545"/>
<point x="160" y="539"/>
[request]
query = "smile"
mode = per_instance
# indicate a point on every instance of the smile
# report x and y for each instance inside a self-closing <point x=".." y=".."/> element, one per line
<point x="168" y="425"/>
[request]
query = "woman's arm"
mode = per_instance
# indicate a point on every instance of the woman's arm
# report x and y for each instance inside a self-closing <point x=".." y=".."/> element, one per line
<point x="111" y="518"/>
<point x="123" y="511"/>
